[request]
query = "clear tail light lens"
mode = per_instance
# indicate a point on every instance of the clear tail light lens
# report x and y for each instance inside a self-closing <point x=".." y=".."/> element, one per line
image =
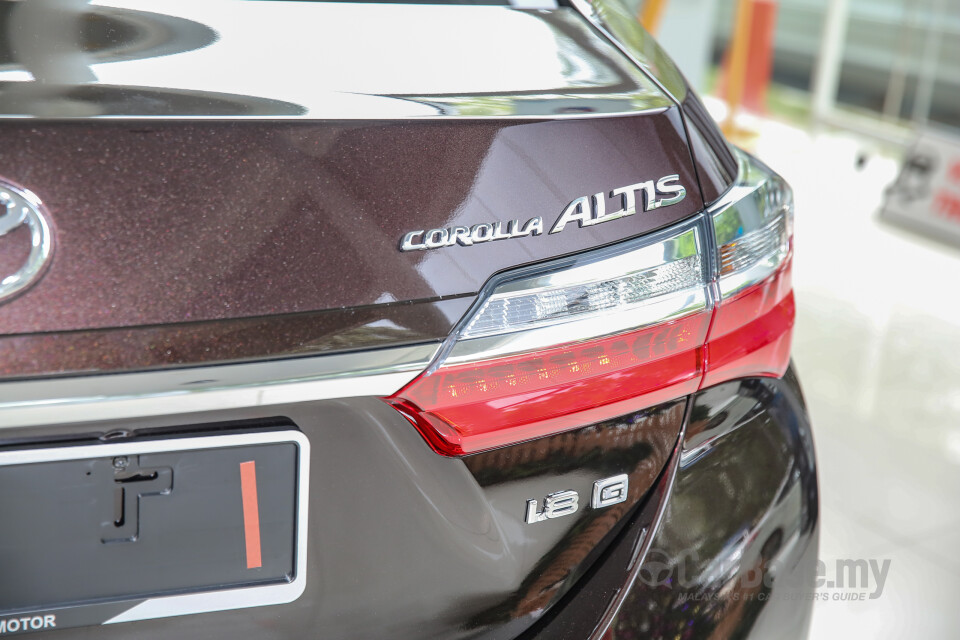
<point x="621" y="285"/>
<point x="634" y="285"/>
<point x="596" y="336"/>
<point x="753" y="320"/>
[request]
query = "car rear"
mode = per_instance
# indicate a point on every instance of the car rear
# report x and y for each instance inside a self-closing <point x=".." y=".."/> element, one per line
<point x="402" y="321"/>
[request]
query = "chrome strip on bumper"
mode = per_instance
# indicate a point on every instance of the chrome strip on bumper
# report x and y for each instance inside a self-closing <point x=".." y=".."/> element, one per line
<point x="380" y="372"/>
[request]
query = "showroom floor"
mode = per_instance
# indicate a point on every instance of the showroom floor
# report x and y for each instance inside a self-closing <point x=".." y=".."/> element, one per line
<point x="876" y="346"/>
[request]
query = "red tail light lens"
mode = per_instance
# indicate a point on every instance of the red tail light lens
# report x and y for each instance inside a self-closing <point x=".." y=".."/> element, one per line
<point x="492" y="403"/>
<point x="751" y="332"/>
<point x="595" y="337"/>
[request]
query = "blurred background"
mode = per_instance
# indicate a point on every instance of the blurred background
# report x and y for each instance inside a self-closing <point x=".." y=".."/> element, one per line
<point x="857" y="104"/>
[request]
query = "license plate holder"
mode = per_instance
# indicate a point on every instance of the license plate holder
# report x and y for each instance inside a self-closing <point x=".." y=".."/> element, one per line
<point x="115" y="532"/>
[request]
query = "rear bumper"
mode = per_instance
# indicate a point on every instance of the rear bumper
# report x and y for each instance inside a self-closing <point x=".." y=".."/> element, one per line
<point x="406" y="543"/>
<point x="733" y="542"/>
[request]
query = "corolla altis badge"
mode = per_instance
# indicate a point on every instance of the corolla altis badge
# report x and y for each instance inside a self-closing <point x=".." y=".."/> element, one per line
<point x="586" y="211"/>
<point x="18" y="209"/>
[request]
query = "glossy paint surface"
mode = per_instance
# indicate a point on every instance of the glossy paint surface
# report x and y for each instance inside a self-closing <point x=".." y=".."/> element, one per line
<point x="225" y="220"/>
<point x="716" y="165"/>
<point x="638" y="444"/>
<point x="222" y="341"/>
<point x="743" y="508"/>
<point x="618" y="21"/>
<point x="404" y="543"/>
<point x="183" y="59"/>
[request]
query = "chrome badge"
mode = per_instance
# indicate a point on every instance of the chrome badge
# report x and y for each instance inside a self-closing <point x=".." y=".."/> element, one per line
<point x="20" y="208"/>
<point x="590" y="210"/>
<point x="469" y="236"/>
<point x="586" y="211"/>
<point x="606" y="493"/>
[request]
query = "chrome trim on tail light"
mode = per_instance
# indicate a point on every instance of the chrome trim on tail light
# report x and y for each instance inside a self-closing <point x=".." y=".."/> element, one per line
<point x="752" y="226"/>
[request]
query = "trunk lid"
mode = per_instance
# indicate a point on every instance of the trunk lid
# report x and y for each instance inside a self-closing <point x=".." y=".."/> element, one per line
<point x="268" y="191"/>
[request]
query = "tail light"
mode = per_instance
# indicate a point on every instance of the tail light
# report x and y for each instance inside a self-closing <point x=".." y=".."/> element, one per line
<point x="594" y="336"/>
<point x="753" y="318"/>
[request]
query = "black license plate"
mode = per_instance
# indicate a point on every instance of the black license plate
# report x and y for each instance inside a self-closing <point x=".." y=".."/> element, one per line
<point x="130" y="531"/>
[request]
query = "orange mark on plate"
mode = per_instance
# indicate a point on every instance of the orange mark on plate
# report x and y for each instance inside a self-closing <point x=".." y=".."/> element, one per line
<point x="251" y="512"/>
